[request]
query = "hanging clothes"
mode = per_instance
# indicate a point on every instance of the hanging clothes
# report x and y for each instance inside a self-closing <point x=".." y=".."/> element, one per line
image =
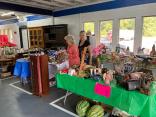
<point x="44" y="74"/>
<point x="40" y="80"/>
<point x="39" y="75"/>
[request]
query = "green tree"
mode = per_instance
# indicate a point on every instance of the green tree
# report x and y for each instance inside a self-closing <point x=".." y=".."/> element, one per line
<point x="105" y="28"/>
<point x="127" y="24"/>
<point x="149" y="26"/>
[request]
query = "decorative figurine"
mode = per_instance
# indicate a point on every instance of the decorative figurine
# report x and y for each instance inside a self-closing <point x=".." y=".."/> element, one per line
<point x="127" y="50"/>
<point x="118" y="48"/>
<point x="108" y="77"/>
<point x="153" y="52"/>
<point x="140" y="51"/>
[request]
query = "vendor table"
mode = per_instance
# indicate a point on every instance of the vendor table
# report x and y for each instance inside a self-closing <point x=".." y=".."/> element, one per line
<point x="132" y="102"/>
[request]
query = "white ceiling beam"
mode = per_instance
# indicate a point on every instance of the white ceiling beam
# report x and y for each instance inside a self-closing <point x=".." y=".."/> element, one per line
<point x="32" y="4"/>
<point x="58" y="5"/>
<point x="49" y="3"/>
<point x="81" y="1"/>
<point x="64" y="2"/>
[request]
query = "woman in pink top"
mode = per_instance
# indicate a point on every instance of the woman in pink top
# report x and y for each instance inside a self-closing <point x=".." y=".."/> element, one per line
<point x="73" y="52"/>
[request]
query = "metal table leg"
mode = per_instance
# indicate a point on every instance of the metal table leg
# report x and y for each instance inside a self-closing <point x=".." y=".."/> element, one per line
<point x="67" y="94"/>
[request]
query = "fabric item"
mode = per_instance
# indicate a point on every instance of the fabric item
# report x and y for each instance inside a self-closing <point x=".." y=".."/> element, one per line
<point x="44" y="74"/>
<point x="4" y="38"/>
<point x="132" y="102"/>
<point x="102" y="90"/>
<point x="39" y="75"/>
<point x="52" y="68"/>
<point x="18" y="69"/>
<point x="34" y="78"/>
<point x="26" y="73"/>
<point x="4" y="41"/>
<point x="40" y="80"/>
<point x="52" y="53"/>
<point x="73" y="55"/>
<point x="22" y="69"/>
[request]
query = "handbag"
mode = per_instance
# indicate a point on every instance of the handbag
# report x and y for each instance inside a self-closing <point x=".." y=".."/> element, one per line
<point x="133" y="84"/>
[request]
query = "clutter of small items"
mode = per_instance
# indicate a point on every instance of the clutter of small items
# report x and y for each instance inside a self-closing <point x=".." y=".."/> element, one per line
<point x="132" y="72"/>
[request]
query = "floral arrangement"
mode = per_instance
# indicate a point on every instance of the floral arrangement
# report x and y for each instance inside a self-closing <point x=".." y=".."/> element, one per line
<point x="100" y="49"/>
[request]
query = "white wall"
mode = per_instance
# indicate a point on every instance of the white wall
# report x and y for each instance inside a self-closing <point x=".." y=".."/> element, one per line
<point x="42" y="22"/>
<point x="15" y="30"/>
<point x="75" y="22"/>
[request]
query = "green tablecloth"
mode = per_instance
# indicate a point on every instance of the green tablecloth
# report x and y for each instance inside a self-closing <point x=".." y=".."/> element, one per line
<point x="132" y="102"/>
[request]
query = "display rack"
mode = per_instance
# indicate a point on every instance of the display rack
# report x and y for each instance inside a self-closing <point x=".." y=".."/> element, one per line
<point x="5" y="65"/>
<point x="36" y="37"/>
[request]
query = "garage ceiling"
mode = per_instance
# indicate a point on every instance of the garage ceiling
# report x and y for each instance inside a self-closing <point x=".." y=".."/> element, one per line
<point x="53" y="4"/>
<point x="12" y="15"/>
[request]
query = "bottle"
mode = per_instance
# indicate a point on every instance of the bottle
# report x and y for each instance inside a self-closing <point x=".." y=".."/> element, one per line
<point x="153" y="52"/>
<point x="118" y="48"/>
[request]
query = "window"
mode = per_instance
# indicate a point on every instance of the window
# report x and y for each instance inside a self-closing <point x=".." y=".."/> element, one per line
<point x="89" y="26"/>
<point x="149" y="33"/>
<point x="106" y="32"/>
<point x="126" y="33"/>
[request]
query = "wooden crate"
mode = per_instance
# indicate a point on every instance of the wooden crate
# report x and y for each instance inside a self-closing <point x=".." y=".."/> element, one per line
<point x="4" y="75"/>
<point x="4" y="68"/>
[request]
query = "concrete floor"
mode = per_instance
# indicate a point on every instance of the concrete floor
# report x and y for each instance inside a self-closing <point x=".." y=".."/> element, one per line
<point x="16" y="103"/>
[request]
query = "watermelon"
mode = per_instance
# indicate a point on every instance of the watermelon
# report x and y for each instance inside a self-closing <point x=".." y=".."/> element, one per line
<point x="82" y="108"/>
<point x="95" y="111"/>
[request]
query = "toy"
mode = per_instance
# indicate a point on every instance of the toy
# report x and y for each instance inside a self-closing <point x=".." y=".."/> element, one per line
<point x="108" y="77"/>
<point x="140" y="51"/>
